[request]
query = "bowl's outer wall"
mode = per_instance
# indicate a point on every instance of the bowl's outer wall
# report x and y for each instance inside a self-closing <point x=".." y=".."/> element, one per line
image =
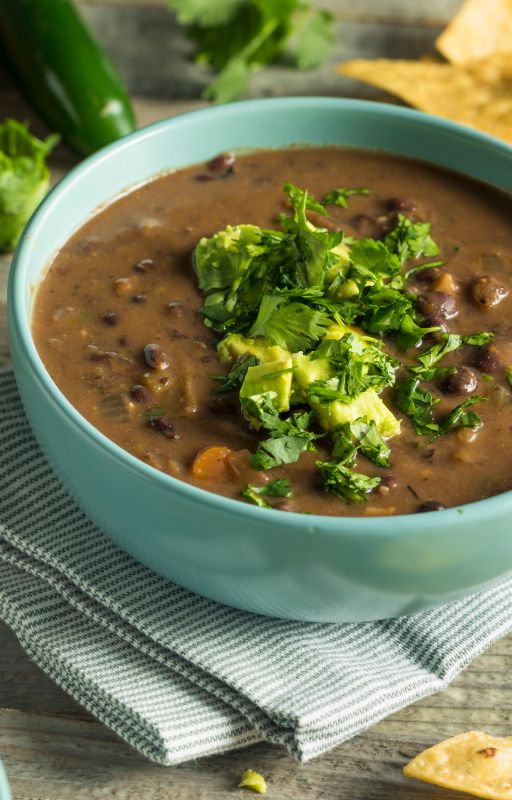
<point x="288" y="565"/>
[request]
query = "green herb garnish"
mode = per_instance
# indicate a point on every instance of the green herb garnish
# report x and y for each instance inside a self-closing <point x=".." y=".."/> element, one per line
<point x="236" y="37"/>
<point x="411" y="240"/>
<point x="24" y="178"/>
<point x="361" y="435"/>
<point x="288" y="437"/>
<point x="349" y="486"/>
<point x="235" y="377"/>
<point x="459" y="417"/>
<point x="339" y="197"/>
<point x="281" y="487"/>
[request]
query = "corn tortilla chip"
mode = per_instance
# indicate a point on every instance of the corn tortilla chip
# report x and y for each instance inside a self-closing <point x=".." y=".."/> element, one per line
<point x="481" y="28"/>
<point x="479" y="95"/>
<point x="472" y="762"/>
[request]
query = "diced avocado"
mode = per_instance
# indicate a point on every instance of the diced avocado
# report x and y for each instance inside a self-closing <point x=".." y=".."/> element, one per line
<point x="367" y="404"/>
<point x="329" y="415"/>
<point x="270" y="377"/>
<point x="234" y="346"/>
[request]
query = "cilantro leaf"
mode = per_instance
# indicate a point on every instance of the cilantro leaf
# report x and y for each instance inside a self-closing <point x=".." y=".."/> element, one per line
<point x="235" y="377"/>
<point x="235" y="37"/>
<point x="349" y="486"/>
<point x="357" y="369"/>
<point x="288" y="437"/>
<point x="24" y="178"/>
<point x="293" y="326"/>
<point x="417" y="403"/>
<point x="315" y="39"/>
<point x="459" y="417"/>
<point x="339" y="197"/>
<point x="411" y="239"/>
<point x="361" y="434"/>
<point x="281" y="487"/>
<point x="449" y="342"/>
<point x="208" y="13"/>
<point x="479" y="339"/>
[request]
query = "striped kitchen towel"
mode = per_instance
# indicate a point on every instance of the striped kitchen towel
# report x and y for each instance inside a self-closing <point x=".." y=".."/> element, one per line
<point x="179" y="676"/>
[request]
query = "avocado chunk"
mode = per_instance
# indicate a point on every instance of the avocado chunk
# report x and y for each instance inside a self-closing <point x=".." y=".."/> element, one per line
<point x="270" y="377"/>
<point x="329" y="415"/>
<point x="234" y="346"/>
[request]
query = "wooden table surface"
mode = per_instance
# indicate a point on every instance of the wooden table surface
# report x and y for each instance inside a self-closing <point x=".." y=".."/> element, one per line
<point x="53" y="749"/>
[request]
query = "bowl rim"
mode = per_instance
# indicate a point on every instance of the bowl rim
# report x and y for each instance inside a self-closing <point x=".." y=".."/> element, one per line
<point x="404" y="524"/>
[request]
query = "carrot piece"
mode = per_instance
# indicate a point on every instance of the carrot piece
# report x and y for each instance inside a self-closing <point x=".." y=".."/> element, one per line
<point x="212" y="464"/>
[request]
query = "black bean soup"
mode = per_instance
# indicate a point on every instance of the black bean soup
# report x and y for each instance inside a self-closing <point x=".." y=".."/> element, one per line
<point x="358" y="373"/>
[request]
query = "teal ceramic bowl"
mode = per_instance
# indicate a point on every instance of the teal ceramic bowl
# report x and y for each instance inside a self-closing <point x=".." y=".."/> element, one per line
<point x="5" y="793"/>
<point x="282" y="564"/>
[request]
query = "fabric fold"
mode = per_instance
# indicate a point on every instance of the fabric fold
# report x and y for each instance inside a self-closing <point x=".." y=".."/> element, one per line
<point x="179" y="676"/>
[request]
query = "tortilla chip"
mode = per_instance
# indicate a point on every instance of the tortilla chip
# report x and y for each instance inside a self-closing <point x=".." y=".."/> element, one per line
<point x="479" y="94"/>
<point x="472" y="762"/>
<point x="481" y="28"/>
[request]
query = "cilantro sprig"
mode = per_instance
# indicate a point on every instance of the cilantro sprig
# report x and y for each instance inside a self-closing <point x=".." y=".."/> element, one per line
<point x="349" y="486"/>
<point x="288" y="437"/>
<point x="281" y="487"/>
<point x="24" y="178"/>
<point x="237" y="37"/>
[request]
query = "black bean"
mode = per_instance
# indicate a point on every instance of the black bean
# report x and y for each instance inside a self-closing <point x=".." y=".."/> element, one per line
<point x="488" y="291"/>
<point x="463" y="381"/>
<point x="401" y="204"/>
<point x="110" y="318"/>
<point x="488" y="361"/>
<point x="368" y="226"/>
<point x="203" y="177"/>
<point x="163" y="425"/>
<point x="435" y="322"/>
<point x="387" y="482"/>
<point x="428" y="275"/>
<point x="139" y="298"/>
<point x="140" y="394"/>
<point x="155" y="356"/>
<point x="222" y="405"/>
<point x="437" y="304"/>
<point x="431" y="505"/>
<point x="222" y="163"/>
<point x="146" y="265"/>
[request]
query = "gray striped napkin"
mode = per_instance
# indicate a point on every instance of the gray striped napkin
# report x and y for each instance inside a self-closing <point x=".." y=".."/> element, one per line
<point x="178" y="676"/>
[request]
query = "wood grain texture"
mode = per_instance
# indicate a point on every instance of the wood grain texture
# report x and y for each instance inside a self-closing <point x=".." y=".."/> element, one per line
<point x="53" y="749"/>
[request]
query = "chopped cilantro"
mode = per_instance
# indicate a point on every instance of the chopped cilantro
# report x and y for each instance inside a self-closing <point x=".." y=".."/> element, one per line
<point x="339" y="197"/>
<point x="411" y="240"/>
<point x="449" y="342"/>
<point x="417" y="403"/>
<point x="459" y="417"/>
<point x="478" y="339"/>
<point x="349" y="486"/>
<point x="281" y="487"/>
<point x="293" y="326"/>
<point x="362" y="434"/>
<point x="289" y="437"/>
<point x="509" y="376"/>
<point x="235" y="377"/>
<point x="357" y="367"/>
